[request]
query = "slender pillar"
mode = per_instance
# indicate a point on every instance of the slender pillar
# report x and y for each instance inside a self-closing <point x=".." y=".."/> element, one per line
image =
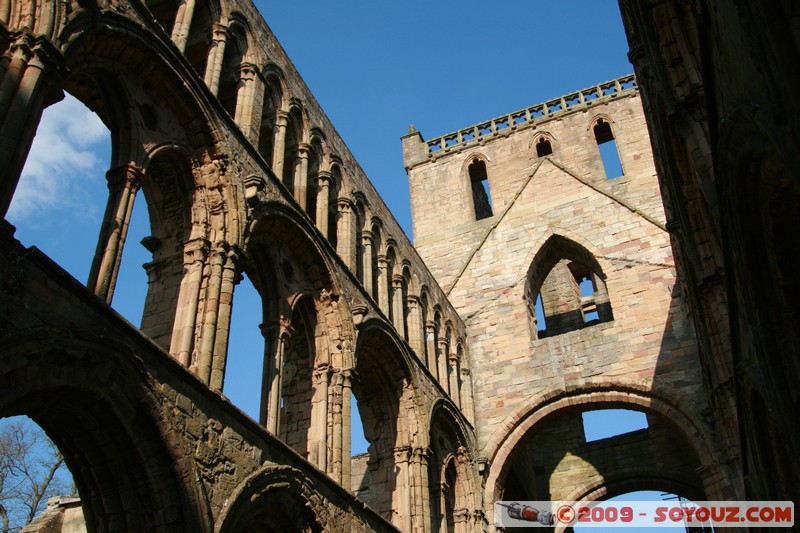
<point x="430" y="339"/>
<point x="422" y="497"/>
<point x="345" y="238"/>
<point x="323" y="199"/>
<point x="455" y="391"/>
<point x="183" y="23"/>
<point x="230" y="277"/>
<point x="398" y="311"/>
<point x="216" y="54"/>
<point x="183" y="334"/>
<point x="366" y="259"/>
<point x="347" y="383"/>
<point x="318" y="443"/>
<point x="278" y="151"/>
<point x="247" y="115"/>
<point x="123" y="182"/>
<point x="441" y="359"/>
<point x="402" y="497"/>
<point x="275" y="335"/>
<point x="29" y="84"/>
<point x="211" y="304"/>
<point x="301" y="175"/>
<point x="383" y="284"/>
<point x="415" y="327"/>
<point x="467" y="405"/>
<point x="336" y="404"/>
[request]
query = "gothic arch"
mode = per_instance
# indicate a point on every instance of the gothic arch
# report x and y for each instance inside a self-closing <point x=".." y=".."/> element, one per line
<point x="555" y="274"/>
<point x="544" y="143"/>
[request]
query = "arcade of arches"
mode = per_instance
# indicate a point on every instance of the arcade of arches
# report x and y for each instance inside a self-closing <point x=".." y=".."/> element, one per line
<point x="462" y="398"/>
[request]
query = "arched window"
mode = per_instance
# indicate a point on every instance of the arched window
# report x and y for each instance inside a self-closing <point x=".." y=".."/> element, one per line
<point x="566" y="289"/>
<point x="235" y="52"/>
<point x="481" y="196"/>
<point x="543" y="147"/>
<point x="608" y="149"/>
<point x="269" y="115"/>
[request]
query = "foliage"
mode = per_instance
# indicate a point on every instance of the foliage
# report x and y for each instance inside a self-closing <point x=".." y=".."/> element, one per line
<point x="32" y="470"/>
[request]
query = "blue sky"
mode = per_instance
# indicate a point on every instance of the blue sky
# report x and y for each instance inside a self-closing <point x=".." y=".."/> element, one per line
<point x="375" y="67"/>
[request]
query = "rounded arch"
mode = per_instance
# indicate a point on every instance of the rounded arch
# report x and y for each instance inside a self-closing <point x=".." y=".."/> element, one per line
<point x="113" y="429"/>
<point x="385" y="388"/>
<point x="92" y="45"/>
<point x="452" y="482"/>
<point x="517" y="426"/>
<point x="272" y="105"/>
<point x="287" y="265"/>
<point x="174" y="209"/>
<point x="275" y="498"/>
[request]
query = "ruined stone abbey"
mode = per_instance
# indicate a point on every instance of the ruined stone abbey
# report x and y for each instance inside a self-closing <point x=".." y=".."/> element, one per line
<point x="541" y="285"/>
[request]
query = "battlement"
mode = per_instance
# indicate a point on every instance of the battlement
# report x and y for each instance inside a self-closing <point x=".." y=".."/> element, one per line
<point x="529" y="116"/>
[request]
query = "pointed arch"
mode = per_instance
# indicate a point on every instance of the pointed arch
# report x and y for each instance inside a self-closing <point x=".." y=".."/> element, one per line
<point x="571" y="284"/>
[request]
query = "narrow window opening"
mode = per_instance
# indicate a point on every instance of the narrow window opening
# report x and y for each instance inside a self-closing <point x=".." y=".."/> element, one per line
<point x="358" y="442"/>
<point x="588" y="304"/>
<point x="243" y="371"/>
<point x="608" y="149"/>
<point x="606" y="423"/>
<point x="543" y="147"/>
<point x="541" y="324"/>
<point x="481" y="195"/>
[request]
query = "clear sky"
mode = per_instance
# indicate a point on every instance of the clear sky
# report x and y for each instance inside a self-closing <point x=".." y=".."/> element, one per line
<point x="375" y="67"/>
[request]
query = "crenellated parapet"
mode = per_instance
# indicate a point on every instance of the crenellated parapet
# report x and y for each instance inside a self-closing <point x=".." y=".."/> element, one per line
<point x="529" y="117"/>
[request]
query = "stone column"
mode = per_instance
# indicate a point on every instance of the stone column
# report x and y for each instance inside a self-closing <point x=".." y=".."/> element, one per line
<point x="123" y="182"/>
<point x="301" y="175"/>
<point x="211" y="303"/>
<point x="441" y="359"/>
<point x="335" y="406"/>
<point x="248" y="115"/>
<point x="323" y="198"/>
<point x="216" y="54"/>
<point x="275" y="338"/>
<point x="430" y="339"/>
<point x="415" y="327"/>
<point x="279" y="148"/>
<point x="183" y="332"/>
<point x="183" y="23"/>
<point x="398" y="311"/>
<point x="347" y="383"/>
<point x="455" y="390"/>
<point x="345" y="241"/>
<point x="366" y="259"/>
<point x="318" y="441"/>
<point x="230" y="277"/>
<point x="402" y="498"/>
<point x="467" y="406"/>
<point x="383" y="284"/>
<point x="422" y="503"/>
<point x="30" y="82"/>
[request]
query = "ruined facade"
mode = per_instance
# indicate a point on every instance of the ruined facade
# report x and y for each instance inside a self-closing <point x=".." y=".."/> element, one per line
<point x="718" y="82"/>
<point x="467" y="393"/>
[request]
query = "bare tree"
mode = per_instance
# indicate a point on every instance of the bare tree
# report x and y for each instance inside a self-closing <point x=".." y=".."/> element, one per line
<point x="31" y="471"/>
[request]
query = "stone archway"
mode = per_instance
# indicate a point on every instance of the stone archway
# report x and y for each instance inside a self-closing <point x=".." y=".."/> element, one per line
<point x="94" y="400"/>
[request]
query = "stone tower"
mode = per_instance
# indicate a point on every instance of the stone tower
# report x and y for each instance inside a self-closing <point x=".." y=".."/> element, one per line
<point x="521" y="209"/>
